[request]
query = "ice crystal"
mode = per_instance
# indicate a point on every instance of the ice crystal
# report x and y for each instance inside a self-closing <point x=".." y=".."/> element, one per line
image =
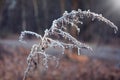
<point x="38" y="53"/>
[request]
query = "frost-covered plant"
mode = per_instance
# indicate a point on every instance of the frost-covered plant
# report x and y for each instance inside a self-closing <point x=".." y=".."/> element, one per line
<point x="38" y="53"/>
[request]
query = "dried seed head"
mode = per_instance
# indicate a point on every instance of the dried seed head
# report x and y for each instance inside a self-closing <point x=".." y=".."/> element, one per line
<point x="58" y="27"/>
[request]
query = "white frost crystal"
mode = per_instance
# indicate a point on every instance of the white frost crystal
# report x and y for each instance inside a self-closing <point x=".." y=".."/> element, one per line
<point x="58" y="28"/>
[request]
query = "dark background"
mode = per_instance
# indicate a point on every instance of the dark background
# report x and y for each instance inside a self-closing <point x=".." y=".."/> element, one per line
<point x="37" y="15"/>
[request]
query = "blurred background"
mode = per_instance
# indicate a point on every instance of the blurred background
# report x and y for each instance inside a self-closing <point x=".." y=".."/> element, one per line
<point x="37" y="15"/>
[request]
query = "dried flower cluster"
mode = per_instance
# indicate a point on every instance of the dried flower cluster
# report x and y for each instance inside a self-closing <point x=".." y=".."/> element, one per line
<point x="38" y="54"/>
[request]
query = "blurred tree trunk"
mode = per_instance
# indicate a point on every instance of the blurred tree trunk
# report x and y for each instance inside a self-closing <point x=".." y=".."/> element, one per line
<point x="36" y="13"/>
<point x="45" y="9"/>
<point x="75" y="4"/>
<point x="23" y="15"/>
<point x="1" y="10"/>
<point x="62" y="5"/>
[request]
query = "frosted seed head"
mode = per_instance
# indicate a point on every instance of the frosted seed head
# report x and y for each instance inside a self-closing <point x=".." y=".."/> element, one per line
<point x="58" y="28"/>
<point x="65" y="13"/>
<point x="79" y="10"/>
<point x="78" y="29"/>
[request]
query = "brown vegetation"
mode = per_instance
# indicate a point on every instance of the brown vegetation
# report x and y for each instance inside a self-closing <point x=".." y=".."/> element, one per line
<point x="13" y="64"/>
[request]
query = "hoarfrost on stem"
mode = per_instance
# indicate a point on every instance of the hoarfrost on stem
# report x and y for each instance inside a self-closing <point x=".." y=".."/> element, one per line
<point x="59" y="28"/>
